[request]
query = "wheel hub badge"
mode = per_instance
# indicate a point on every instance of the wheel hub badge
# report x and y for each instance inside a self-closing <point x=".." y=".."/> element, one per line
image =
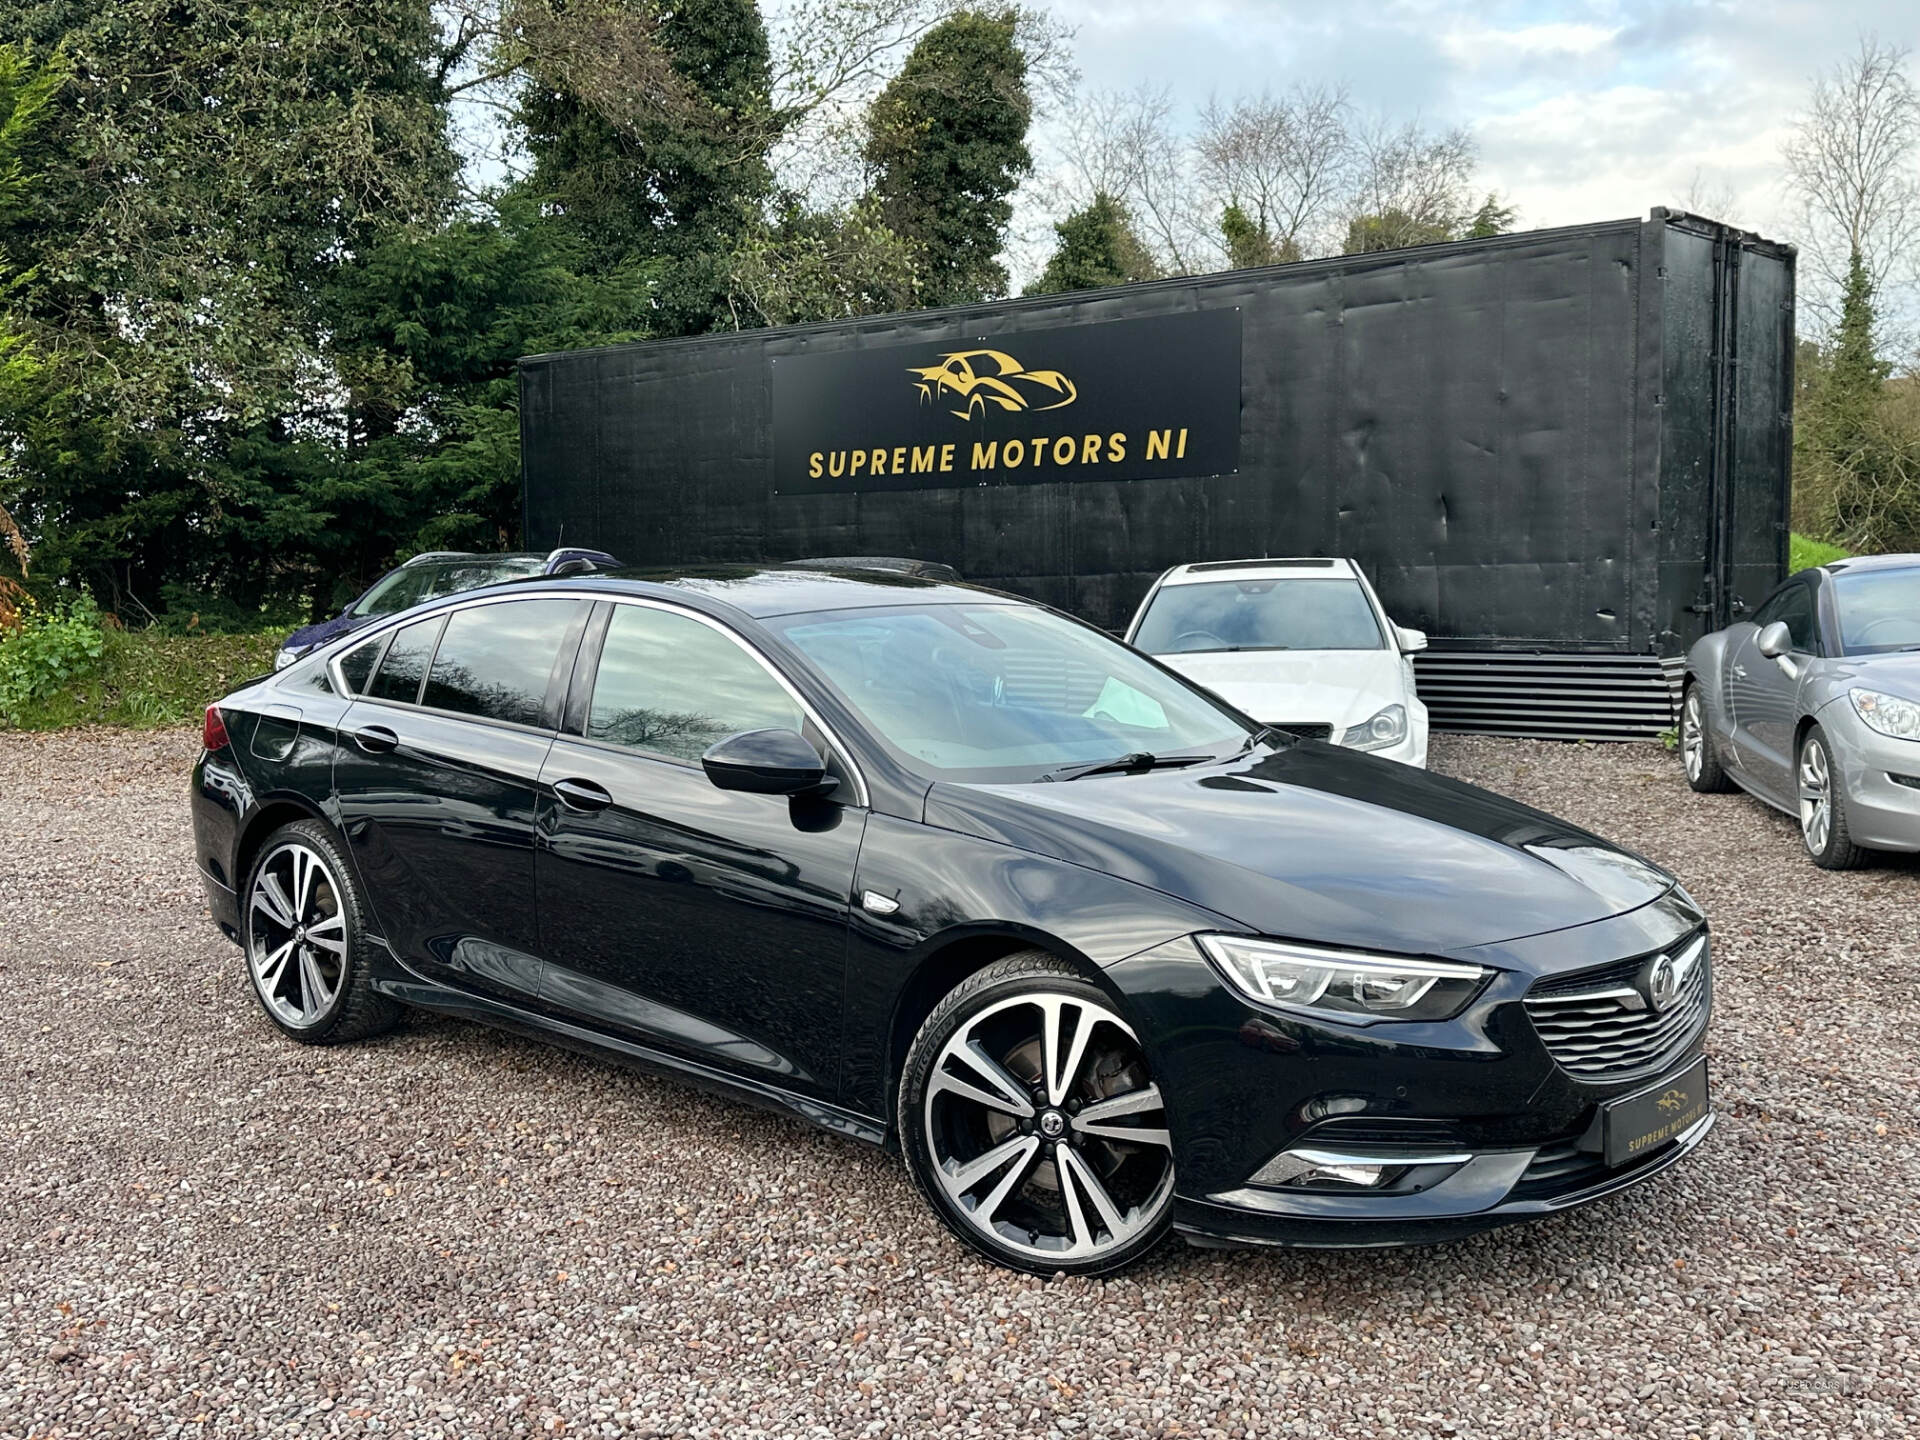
<point x="1053" y="1124"/>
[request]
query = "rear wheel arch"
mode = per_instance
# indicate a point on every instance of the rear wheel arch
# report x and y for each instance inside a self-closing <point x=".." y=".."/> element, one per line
<point x="271" y="815"/>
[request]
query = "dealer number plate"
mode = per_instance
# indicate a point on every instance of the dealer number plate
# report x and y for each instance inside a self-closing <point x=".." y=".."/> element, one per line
<point x="1642" y="1122"/>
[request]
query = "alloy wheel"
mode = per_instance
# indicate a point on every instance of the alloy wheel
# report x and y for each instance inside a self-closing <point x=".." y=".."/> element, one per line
<point x="296" y="934"/>
<point x="1046" y="1131"/>
<point x="1816" y="795"/>
<point x="1693" y="737"/>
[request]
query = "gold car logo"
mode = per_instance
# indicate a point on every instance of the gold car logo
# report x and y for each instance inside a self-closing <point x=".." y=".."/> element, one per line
<point x="1672" y="1100"/>
<point x="979" y="378"/>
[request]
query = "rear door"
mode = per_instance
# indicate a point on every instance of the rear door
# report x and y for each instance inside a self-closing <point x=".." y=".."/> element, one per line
<point x="700" y="920"/>
<point x="435" y="780"/>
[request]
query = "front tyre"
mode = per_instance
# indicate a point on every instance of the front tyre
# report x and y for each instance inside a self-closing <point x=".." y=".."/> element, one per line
<point x="1697" y="752"/>
<point x="1031" y="1124"/>
<point x="304" y="935"/>
<point x="1823" y="816"/>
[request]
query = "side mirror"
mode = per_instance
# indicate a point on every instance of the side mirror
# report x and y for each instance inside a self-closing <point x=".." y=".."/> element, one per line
<point x="1775" y="640"/>
<point x="1410" y="640"/>
<point x="766" y="762"/>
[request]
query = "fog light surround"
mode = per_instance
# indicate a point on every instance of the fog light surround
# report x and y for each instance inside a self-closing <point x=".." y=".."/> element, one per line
<point x="1337" y="1171"/>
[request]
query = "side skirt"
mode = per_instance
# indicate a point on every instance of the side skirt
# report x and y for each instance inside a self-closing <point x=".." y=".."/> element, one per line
<point x="401" y="984"/>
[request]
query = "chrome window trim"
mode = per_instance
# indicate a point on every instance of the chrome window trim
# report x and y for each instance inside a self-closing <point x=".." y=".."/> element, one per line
<point x="389" y="628"/>
<point x="646" y="602"/>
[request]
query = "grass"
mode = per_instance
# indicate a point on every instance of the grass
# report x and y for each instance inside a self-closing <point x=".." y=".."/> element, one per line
<point x="1804" y="554"/>
<point x="147" y="680"/>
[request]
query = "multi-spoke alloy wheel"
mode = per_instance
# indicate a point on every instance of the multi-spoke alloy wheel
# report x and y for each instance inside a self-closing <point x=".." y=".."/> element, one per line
<point x="301" y="927"/>
<point x="1816" y="796"/>
<point x="1039" y="1124"/>
<point x="1704" y="772"/>
<point x="1823" y="818"/>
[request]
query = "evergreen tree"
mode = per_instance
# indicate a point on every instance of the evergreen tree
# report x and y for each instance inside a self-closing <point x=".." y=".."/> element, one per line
<point x="1098" y="247"/>
<point x="947" y="144"/>
<point x="660" y="160"/>
<point x="1250" y="243"/>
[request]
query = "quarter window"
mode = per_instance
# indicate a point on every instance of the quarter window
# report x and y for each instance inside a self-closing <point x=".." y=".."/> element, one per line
<point x="672" y="685"/>
<point x="405" y="665"/>
<point x="495" y="661"/>
<point x="356" y="666"/>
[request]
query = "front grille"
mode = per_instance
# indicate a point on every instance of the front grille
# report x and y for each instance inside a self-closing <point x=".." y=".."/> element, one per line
<point x="1303" y="730"/>
<point x="1597" y="1023"/>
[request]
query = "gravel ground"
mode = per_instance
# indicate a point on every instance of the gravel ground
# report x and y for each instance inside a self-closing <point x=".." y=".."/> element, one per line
<point x="450" y="1232"/>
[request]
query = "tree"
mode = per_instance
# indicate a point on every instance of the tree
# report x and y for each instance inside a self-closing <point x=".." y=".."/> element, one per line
<point x="947" y="143"/>
<point x="1851" y="163"/>
<point x="820" y="265"/>
<point x="1412" y="187"/>
<point x="1124" y="145"/>
<point x="1276" y="167"/>
<point x="1098" y="246"/>
<point x="649" y="127"/>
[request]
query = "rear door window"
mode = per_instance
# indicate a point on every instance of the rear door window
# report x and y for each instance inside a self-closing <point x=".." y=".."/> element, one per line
<point x="498" y="661"/>
<point x="405" y="664"/>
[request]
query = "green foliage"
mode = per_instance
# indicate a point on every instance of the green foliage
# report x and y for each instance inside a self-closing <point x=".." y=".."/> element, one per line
<point x="1098" y="246"/>
<point x="1804" y="554"/>
<point x="1856" y="469"/>
<point x="144" y="679"/>
<point x="1492" y="218"/>
<point x="818" y="266"/>
<point x="1249" y="243"/>
<point x="51" y="651"/>
<point x="947" y="140"/>
<point x="1393" y="228"/>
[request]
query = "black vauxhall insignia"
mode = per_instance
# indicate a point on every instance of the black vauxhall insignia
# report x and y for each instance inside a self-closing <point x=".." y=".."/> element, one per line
<point x="940" y="868"/>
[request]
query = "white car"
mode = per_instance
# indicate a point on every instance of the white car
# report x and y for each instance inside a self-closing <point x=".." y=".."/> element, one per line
<point x="1302" y="644"/>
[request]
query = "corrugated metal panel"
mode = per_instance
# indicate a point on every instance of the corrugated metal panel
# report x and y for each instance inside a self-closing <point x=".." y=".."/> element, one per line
<point x="1548" y="696"/>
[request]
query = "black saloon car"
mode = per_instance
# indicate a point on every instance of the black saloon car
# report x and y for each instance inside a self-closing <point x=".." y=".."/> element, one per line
<point x="942" y="869"/>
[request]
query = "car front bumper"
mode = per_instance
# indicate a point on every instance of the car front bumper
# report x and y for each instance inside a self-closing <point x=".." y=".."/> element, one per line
<point x="1487" y="1127"/>
<point x="1883" y="813"/>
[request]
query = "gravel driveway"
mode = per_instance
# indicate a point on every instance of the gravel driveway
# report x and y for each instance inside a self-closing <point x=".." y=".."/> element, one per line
<point x="449" y="1232"/>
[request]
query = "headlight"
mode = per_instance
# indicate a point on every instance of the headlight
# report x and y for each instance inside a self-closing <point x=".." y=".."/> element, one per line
<point x="285" y="658"/>
<point x="1888" y="714"/>
<point x="1389" y="727"/>
<point x="1342" y="983"/>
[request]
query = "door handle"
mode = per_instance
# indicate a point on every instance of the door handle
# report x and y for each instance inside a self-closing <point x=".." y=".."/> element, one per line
<point x="376" y="740"/>
<point x="582" y="795"/>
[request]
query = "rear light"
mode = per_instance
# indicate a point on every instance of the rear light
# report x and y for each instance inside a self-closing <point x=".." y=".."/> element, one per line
<point x="213" y="731"/>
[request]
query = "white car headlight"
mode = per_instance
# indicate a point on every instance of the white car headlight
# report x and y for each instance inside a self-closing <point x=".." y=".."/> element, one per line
<point x="1342" y="983"/>
<point x="1389" y="727"/>
<point x="285" y="658"/>
<point x="1888" y="714"/>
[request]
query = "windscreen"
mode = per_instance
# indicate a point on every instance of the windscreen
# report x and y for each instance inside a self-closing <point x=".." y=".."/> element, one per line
<point x="1004" y="692"/>
<point x="1280" y="614"/>
<point x="411" y="584"/>
<point x="1879" y="610"/>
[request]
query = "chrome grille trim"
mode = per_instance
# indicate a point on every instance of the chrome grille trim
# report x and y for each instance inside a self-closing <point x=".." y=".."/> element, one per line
<point x="1610" y="1030"/>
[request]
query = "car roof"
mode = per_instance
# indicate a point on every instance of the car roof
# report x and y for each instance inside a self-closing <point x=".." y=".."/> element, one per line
<point x="1871" y="562"/>
<point x="1272" y="567"/>
<point x="765" y="591"/>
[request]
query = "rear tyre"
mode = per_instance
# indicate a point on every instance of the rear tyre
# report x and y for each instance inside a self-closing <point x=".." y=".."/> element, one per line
<point x="303" y="931"/>
<point x="1031" y="1124"/>
<point x="1697" y="752"/>
<point x="1823" y="815"/>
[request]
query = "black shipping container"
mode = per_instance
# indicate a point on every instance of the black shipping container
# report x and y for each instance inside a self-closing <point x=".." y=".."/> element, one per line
<point x="1564" y="454"/>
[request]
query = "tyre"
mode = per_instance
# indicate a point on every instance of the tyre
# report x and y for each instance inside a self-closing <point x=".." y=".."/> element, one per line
<point x="1030" y="1122"/>
<point x="303" y="931"/>
<point x="1823" y="817"/>
<point x="1704" y="771"/>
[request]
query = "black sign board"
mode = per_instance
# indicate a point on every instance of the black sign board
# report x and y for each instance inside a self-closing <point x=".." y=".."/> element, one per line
<point x="1143" y="399"/>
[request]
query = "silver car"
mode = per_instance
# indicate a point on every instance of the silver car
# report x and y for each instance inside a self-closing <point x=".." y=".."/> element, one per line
<point x="1814" y="707"/>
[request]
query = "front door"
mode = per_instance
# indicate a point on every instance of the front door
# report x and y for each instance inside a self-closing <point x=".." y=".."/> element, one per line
<point x="701" y="920"/>
<point x="1764" y="697"/>
<point x="435" y="777"/>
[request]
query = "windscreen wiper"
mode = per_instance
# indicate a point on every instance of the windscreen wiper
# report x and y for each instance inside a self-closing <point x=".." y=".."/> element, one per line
<point x="1139" y="762"/>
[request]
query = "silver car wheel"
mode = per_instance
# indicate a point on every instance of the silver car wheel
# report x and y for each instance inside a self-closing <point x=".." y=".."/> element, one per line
<point x="1816" y="795"/>
<point x="296" y="934"/>
<point x="1693" y="735"/>
<point x="1045" y="1130"/>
